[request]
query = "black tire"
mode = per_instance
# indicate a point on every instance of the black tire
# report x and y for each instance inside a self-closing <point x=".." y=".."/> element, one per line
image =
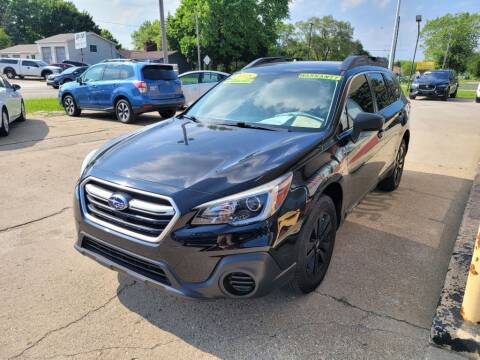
<point x="45" y="74"/>
<point x="315" y="246"/>
<point x="10" y="73"/>
<point x="412" y="97"/>
<point x="454" y="95"/>
<point x="70" y="106"/>
<point x="4" y="124"/>
<point x="477" y="99"/>
<point x="392" y="182"/>
<point x="446" y="95"/>
<point x="23" y="114"/>
<point x="124" y="111"/>
<point x="166" y="114"/>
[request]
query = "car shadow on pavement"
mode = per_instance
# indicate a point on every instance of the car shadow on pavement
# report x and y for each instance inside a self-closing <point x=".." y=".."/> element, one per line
<point x="143" y="119"/>
<point x="24" y="134"/>
<point x="387" y="271"/>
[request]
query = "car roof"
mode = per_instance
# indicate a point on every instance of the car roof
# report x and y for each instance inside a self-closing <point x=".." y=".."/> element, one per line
<point x="204" y="71"/>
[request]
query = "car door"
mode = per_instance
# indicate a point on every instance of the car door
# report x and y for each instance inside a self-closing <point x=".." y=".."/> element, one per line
<point x="13" y="100"/>
<point x="364" y="155"/>
<point x="3" y="94"/>
<point x="104" y="88"/>
<point x="190" y="83"/>
<point x="86" y="93"/>
<point x="391" y="107"/>
<point x="29" y="68"/>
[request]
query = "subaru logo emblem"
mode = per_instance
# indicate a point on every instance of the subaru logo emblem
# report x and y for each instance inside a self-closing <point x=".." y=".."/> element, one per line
<point x="118" y="202"/>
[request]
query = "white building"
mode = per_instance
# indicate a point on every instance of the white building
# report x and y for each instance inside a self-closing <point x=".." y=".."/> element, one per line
<point x="25" y="51"/>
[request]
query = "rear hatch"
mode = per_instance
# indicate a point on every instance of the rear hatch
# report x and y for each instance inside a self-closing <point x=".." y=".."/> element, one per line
<point x="162" y="82"/>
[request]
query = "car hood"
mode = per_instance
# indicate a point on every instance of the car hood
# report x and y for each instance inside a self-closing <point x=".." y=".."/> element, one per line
<point x="204" y="157"/>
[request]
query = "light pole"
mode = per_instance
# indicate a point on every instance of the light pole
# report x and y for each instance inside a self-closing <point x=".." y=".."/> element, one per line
<point x="164" y="33"/>
<point x="418" y="19"/>
<point x="310" y="39"/>
<point x="391" y="58"/>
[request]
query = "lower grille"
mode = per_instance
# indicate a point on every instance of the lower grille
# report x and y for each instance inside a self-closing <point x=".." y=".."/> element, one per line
<point x="426" y="87"/>
<point x="239" y="284"/>
<point x="135" y="264"/>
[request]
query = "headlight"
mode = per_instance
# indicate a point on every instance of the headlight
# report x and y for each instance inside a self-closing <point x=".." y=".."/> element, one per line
<point x="246" y="207"/>
<point x="442" y="85"/>
<point x="87" y="160"/>
<point x="414" y="86"/>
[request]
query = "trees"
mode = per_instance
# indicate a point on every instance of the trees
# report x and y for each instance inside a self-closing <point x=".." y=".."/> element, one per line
<point x="459" y="33"/>
<point x="108" y="35"/>
<point x="4" y="39"/>
<point x="29" y="20"/>
<point x="148" y="31"/>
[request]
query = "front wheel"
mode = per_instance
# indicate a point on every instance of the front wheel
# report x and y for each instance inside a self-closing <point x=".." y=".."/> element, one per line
<point x="315" y="246"/>
<point x="46" y="74"/>
<point x="5" y="124"/>
<point x="446" y="95"/>
<point x="23" y="115"/>
<point x="70" y="106"/>
<point x="454" y="95"/>
<point x="124" y="111"/>
<point x="10" y="74"/>
<point x="393" y="180"/>
<point x="412" y="97"/>
<point x="166" y="114"/>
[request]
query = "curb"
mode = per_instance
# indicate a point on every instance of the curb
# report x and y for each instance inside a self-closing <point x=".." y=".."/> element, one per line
<point x="449" y="330"/>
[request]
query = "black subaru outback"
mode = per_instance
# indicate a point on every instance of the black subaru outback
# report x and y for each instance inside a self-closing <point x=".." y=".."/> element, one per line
<point x="245" y="190"/>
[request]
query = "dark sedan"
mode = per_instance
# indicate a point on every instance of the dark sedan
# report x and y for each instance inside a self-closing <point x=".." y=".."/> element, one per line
<point x="71" y="74"/>
<point x="438" y="83"/>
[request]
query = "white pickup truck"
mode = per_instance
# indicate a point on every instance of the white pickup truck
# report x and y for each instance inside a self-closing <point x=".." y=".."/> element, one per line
<point x="12" y="67"/>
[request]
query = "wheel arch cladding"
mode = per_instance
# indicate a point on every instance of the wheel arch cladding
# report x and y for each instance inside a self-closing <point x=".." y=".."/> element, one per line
<point x="120" y="97"/>
<point x="335" y="192"/>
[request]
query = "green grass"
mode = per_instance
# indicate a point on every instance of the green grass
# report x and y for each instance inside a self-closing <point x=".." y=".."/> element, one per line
<point x="47" y="104"/>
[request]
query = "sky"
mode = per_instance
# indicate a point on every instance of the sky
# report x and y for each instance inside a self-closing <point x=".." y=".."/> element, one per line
<point x="372" y="20"/>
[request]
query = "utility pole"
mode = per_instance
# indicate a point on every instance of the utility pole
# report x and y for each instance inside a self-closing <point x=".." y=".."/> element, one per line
<point x="418" y="19"/>
<point x="391" y="58"/>
<point x="446" y="51"/>
<point x="198" y="43"/>
<point x="310" y="39"/>
<point x="163" y="32"/>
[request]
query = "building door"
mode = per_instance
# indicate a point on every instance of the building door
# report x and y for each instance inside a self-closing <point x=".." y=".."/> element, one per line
<point x="60" y="54"/>
<point x="47" y="54"/>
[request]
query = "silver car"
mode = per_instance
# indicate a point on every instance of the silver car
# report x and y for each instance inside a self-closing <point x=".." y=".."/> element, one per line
<point x="197" y="83"/>
<point x="11" y="105"/>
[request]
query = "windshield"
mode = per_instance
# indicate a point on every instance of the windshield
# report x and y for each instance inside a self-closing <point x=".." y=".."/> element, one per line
<point x="42" y="63"/>
<point x="284" y="99"/>
<point x="437" y="74"/>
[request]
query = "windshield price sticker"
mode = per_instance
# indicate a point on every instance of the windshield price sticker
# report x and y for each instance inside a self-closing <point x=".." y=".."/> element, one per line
<point x="242" y="78"/>
<point x="319" y="76"/>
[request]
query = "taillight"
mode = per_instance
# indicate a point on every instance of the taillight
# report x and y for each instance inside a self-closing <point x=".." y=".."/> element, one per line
<point x="141" y="86"/>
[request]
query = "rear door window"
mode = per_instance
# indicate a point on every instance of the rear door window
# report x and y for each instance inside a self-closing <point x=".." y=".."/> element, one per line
<point x="190" y="79"/>
<point x="158" y="72"/>
<point x="380" y="90"/>
<point x="111" y="73"/>
<point x="210" y="77"/>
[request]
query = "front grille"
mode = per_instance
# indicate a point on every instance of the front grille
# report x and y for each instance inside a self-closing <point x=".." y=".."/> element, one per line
<point x="239" y="284"/>
<point x="426" y="87"/>
<point x="135" y="264"/>
<point x="146" y="216"/>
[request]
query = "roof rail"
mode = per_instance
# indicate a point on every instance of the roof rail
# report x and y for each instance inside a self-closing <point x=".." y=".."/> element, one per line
<point x="118" y="60"/>
<point x="268" y="60"/>
<point x="362" y="60"/>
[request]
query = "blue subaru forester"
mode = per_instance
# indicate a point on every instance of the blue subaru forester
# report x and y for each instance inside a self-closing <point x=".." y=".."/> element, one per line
<point x="127" y="88"/>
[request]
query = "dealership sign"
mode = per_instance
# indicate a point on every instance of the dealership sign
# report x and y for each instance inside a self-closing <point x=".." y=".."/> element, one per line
<point x="81" y="40"/>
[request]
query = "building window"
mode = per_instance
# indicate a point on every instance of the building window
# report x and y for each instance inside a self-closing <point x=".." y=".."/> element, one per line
<point x="93" y="48"/>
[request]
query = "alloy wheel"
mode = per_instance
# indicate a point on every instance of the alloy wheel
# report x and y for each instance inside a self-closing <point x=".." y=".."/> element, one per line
<point x="123" y="111"/>
<point x="399" y="164"/>
<point x="320" y="244"/>
<point x="5" y="122"/>
<point x="69" y="105"/>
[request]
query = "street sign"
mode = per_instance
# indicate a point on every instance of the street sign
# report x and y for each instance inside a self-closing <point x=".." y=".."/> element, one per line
<point x="81" y="40"/>
<point x="207" y="60"/>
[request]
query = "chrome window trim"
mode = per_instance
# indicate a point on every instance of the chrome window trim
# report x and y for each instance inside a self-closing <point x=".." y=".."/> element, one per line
<point x="108" y="226"/>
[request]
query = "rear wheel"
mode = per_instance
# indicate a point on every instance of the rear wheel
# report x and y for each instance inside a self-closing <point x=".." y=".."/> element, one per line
<point x="393" y="180"/>
<point x="315" y="246"/>
<point x="5" y="124"/>
<point x="167" y="113"/>
<point x="124" y="111"/>
<point x="10" y="73"/>
<point x="23" y="115"/>
<point x="70" y="106"/>
<point x="413" y="97"/>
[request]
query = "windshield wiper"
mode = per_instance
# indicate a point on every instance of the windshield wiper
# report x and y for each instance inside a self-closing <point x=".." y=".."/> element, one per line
<point x="247" y="125"/>
<point x="189" y="117"/>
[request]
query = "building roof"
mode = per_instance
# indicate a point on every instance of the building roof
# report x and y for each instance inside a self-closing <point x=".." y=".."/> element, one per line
<point x="144" y="55"/>
<point x="60" y="38"/>
<point x="21" y="49"/>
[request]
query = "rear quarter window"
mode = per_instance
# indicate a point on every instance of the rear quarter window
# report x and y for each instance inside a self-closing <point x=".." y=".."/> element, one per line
<point x="8" y="61"/>
<point x="159" y="72"/>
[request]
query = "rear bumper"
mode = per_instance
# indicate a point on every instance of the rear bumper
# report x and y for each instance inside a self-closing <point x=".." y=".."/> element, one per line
<point x="148" y="105"/>
<point x="258" y="265"/>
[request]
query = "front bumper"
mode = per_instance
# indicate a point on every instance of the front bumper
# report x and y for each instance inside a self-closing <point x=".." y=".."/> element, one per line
<point x="435" y="92"/>
<point x="258" y="265"/>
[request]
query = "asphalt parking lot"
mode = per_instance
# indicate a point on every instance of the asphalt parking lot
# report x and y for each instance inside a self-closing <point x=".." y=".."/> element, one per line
<point x="376" y="302"/>
<point x="33" y="88"/>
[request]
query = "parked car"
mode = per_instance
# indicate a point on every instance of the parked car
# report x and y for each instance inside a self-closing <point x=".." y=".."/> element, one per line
<point x="477" y="97"/>
<point x="62" y="66"/>
<point x="75" y="63"/>
<point x="197" y="83"/>
<point x="26" y="67"/>
<point x="12" y="107"/>
<point x="71" y="74"/>
<point x="437" y="83"/>
<point x="246" y="189"/>
<point x="126" y="88"/>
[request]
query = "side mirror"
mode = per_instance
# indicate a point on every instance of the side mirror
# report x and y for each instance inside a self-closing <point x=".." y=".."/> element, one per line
<point x="16" y="87"/>
<point x="366" y="122"/>
<point x="79" y="80"/>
